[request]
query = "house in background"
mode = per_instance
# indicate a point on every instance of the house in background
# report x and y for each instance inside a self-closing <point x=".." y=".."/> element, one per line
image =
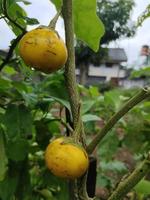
<point x="109" y="70"/>
<point x="142" y="62"/>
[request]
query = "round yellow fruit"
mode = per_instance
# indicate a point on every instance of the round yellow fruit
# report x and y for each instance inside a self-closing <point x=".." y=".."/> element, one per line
<point x="43" y="49"/>
<point x="66" y="160"/>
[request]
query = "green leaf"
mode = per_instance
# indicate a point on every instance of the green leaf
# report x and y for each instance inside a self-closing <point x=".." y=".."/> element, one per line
<point x="29" y="21"/>
<point x="47" y="194"/>
<point x="62" y="101"/>
<point x="18" y="121"/>
<point x="5" y="84"/>
<point x="3" y="158"/>
<point x="8" y="187"/>
<point x="54" y="128"/>
<point x="13" y="10"/>
<point x="90" y="117"/>
<point x="88" y="26"/>
<point x="17" y="150"/>
<point x="9" y="70"/>
<point x="143" y="187"/>
<point x="9" y="2"/>
<point x="20" y="86"/>
<point x="24" y="1"/>
<point x="87" y="105"/>
<point x="94" y="91"/>
<point x="58" y="3"/>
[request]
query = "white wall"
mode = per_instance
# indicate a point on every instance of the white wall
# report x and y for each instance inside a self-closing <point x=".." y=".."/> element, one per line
<point x="107" y="72"/>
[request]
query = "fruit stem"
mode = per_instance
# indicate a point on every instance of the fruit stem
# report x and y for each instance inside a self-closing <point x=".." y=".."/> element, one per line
<point x="53" y="22"/>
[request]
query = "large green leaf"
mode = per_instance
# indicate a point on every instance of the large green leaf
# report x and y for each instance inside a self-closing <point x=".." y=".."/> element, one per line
<point x="88" y="27"/>
<point x="8" y="187"/>
<point x="3" y="158"/>
<point x="17" y="150"/>
<point x="18" y="121"/>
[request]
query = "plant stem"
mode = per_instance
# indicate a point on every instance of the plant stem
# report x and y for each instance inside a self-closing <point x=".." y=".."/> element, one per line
<point x="126" y="185"/>
<point x="70" y="64"/>
<point x="70" y="78"/>
<point x="143" y="94"/>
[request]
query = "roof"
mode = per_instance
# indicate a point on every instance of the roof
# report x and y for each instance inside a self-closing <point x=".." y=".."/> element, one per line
<point x="116" y="55"/>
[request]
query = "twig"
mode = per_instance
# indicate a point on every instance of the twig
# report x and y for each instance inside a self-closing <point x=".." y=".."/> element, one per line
<point x="10" y="52"/>
<point x="126" y="185"/>
<point x="143" y="94"/>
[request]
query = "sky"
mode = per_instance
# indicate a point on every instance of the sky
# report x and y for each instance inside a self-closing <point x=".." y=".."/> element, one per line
<point x="44" y="12"/>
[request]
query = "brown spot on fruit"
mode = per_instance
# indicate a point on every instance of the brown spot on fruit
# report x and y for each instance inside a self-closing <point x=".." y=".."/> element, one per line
<point x="51" y="52"/>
